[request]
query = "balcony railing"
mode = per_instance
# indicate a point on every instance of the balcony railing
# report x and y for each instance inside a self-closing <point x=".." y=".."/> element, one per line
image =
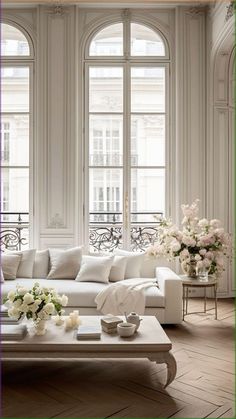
<point x="105" y="230"/>
<point x="14" y="232"/>
<point x="110" y="159"/>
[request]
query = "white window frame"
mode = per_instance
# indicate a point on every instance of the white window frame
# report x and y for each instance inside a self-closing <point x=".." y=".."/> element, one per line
<point x="126" y="61"/>
<point x="24" y="61"/>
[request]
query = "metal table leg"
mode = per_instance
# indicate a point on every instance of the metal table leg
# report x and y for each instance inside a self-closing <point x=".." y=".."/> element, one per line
<point x="215" y="291"/>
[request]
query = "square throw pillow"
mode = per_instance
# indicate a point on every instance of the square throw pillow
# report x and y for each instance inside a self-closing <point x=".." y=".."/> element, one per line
<point x="134" y="262"/>
<point x="1" y="275"/>
<point x="25" y="269"/>
<point x="10" y="265"/>
<point x="95" y="269"/>
<point x="118" y="267"/>
<point x="41" y="264"/>
<point x="64" y="263"/>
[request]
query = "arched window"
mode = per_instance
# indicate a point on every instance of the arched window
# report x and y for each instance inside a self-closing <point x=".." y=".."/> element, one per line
<point x="16" y="99"/>
<point x="126" y="67"/>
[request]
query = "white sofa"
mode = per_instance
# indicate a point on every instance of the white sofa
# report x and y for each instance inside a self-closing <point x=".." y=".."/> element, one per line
<point x="163" y="301"/>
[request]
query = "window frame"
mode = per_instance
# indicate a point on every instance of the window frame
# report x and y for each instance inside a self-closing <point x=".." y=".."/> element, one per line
<point x="24" y="61"/>
<point x="126" y="62"/>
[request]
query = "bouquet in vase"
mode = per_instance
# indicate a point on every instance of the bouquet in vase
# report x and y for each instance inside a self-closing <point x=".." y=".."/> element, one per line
<point x="201" y="244"/>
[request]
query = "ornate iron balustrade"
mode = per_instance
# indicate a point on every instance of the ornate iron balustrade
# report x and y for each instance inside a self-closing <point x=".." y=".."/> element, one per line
<point x="105" y="234"/>
<point x="14" y="232"/>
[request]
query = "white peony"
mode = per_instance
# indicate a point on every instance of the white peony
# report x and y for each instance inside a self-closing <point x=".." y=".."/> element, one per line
<point x="189" y="241"/>
<point x="28" y="298"/>
<point x="13" y="312"/>
<point x="197" y="257"/>
<point x="22" y="290"/>
<point x="215" y="223"/>
<point x="203" y="223"/>
<point x="11" y="295"/>
<point x="49" y="308"/>
<point x="202" y="252"/>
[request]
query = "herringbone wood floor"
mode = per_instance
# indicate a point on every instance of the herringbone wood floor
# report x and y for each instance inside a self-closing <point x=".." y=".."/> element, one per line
<point x="203" y="388"/>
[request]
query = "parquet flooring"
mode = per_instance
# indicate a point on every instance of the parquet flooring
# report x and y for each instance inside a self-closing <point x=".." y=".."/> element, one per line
<point x="203" y="388"/>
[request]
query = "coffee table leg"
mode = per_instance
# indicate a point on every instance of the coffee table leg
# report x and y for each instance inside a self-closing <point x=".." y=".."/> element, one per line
<point x="171" y="368"/>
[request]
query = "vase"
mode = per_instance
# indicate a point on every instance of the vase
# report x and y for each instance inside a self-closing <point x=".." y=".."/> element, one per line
<point x="190" y="268"/>
<point x="40" y="327"/>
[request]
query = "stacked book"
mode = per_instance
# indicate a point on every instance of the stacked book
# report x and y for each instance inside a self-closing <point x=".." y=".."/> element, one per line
<point x="88" y="332"/>
<point x="109" y="324"/>
<point x="13" y="332"/>
<point x="5" y="319"/>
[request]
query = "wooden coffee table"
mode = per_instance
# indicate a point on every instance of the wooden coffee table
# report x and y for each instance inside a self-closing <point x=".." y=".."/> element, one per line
<point x="150" y="341"/>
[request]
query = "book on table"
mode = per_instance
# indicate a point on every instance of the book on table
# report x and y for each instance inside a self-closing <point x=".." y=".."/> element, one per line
<point x="13" y="332"/>
<point x="88" y="332"/>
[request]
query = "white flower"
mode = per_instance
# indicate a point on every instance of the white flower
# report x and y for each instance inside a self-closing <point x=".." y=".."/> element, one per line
<point x="197" y="257"/>
<point x="49" y="308"/>
<point x="17" y="303"/>
<point x="215" y="223"/>
<point x="202" y="252"/>
<point x="203" y="223"/>
<point x="13" y="312"/>
<point x="189" y="241"/>
<point x="22" y="290"/>
<point x="11" y="295"/>
<point x="28" y="298"/>
<point x="64" y="300"/>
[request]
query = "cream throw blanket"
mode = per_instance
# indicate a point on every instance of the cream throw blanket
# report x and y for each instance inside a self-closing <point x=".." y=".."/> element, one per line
<point x="127" y="295"/>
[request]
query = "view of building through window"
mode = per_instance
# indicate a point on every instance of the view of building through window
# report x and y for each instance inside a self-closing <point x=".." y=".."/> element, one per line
<point x="127" y="117"/>
<point x="15" y="94"/>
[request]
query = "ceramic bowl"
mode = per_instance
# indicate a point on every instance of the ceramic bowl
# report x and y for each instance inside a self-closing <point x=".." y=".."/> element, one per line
<point x="126" y="329"/>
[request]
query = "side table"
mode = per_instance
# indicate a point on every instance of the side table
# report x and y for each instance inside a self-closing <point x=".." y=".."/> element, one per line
<point x="189" y="282"/>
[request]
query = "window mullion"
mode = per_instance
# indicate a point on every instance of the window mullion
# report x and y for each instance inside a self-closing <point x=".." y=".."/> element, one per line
<point x="127" y="150"/>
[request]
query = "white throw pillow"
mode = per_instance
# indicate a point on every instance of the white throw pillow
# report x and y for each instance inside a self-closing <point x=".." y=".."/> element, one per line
<point x="134" y="262"/>
<point x="25" y="269"/>
<point x="64" y="263"/>
<point x="118" y="267"/>
<point x="1" y="275"/>
<point x="41" y="264"/>
<point x="10" y="265"/>
<point x="95" y="269"/>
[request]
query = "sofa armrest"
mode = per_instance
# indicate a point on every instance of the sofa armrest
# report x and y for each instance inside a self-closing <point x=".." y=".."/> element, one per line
<point x="170" y="285"/>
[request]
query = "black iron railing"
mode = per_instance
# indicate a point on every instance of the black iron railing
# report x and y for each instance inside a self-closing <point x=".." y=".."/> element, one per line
<point x="105" y="230"/>
<point x="14" y="231"/>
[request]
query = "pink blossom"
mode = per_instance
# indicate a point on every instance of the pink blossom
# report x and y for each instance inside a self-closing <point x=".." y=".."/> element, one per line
<point x="203" y="223"/>
<point x="209" y="255"/>
<point x="202" y="252"/>
<point x="215" y="223"/>
<point x="175" y="246"/>
<point x="189" y="241"/>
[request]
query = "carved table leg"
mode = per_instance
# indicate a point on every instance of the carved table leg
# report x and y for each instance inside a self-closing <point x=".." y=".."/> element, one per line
<point x="171" y="368"/>
<point x="168" y="359"/>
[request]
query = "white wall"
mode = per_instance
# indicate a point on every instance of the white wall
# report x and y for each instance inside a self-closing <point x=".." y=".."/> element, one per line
<point x="199" y="147"/>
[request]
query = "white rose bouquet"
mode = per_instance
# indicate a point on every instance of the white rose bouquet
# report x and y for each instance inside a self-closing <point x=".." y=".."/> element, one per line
<point x="201" y="242"/>
<point x="38" y="303"/>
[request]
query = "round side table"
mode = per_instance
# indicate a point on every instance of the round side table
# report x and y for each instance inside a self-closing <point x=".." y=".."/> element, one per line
<point x="188" y="282"/>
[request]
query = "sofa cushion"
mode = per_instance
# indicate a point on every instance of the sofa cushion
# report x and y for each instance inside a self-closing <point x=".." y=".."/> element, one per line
<point x="41" y="264"/>
<point x="134" y="262"/>
<point x="95" y="269"/>
<point x="118" y="267"/>
<point x="81" y="294"/>
<point x="25" y="269"/>
<point x="10" y="264"/>
<point x="65" y="263"/>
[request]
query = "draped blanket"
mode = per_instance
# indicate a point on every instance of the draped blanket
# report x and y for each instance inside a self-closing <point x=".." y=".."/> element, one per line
<point x="127" y="295"/>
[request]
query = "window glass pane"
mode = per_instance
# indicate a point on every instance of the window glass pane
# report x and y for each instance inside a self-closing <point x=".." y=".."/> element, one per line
<point x="15" y="190"/>
<point x="105" y="195"/>
<point x="15" y="89"/>
<point x="147" y="192"/>
<point x="144" y="41"/>
<point x="105" y="89"/>
<point x="15" y="140"/>
<point x="109" y="41"/>
<point x="13" y="41"/>
<point x="147" y="140"/>
<point x="106" y="140"/>
<point x="148" y="89"/>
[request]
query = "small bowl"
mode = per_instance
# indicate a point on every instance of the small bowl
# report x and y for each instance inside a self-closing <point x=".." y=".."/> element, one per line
<point x="126" y="329"/>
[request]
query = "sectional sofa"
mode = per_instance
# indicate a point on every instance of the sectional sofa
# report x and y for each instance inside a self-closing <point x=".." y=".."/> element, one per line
<point x="58" y="269"/>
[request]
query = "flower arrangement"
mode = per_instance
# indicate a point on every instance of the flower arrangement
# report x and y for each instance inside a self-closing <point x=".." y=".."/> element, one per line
<point x="201" y="242"/>
<point x="38" y="303"/>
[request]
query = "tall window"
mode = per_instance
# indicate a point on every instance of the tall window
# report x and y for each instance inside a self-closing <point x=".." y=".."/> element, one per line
<point x="126" y="68"/>
<point x="17" y="58"/>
